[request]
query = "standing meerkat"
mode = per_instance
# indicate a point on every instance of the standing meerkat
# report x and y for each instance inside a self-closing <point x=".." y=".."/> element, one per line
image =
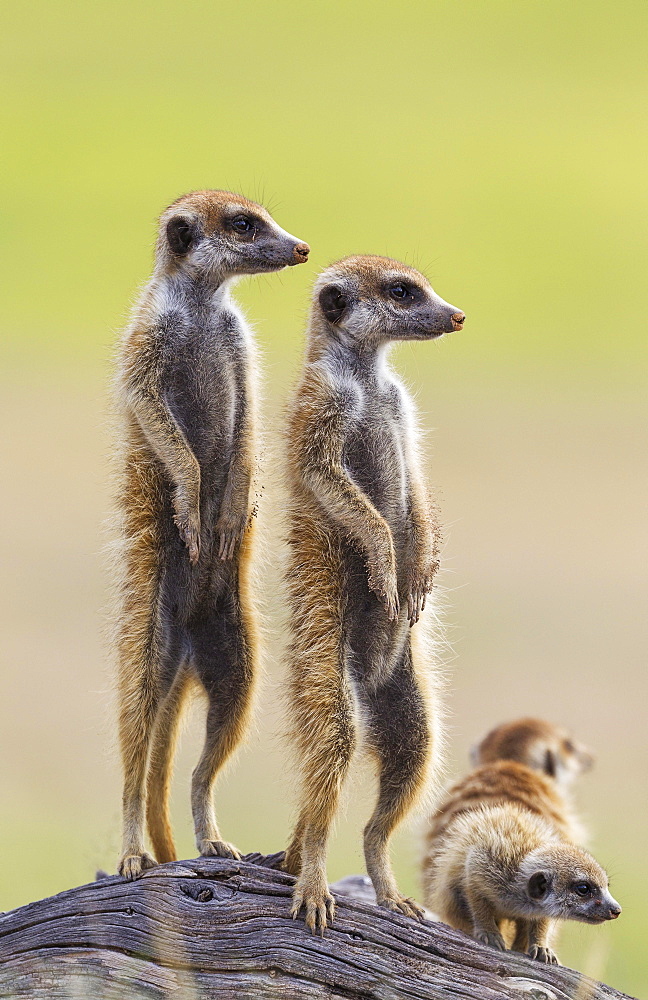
<point x="364" y="544"/>
<point x="501" y="862"/>
<point x="185" y="390"/>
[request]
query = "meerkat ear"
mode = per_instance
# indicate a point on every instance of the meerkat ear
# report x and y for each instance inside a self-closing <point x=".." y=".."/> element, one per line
<point x="538" y="885"/>
<point x="333" y="303"/>
<point x="550" y="764"/>
<point x="181" y="233"/>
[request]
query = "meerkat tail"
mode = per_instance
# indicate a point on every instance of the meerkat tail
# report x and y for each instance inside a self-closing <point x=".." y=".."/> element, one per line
<point x="160" y="770"/>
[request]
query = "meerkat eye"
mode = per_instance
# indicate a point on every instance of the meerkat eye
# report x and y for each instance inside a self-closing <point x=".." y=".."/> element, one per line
<point x="241" y="224"/>
<point x="400" y="291"/>
<point x="582" y="888"/>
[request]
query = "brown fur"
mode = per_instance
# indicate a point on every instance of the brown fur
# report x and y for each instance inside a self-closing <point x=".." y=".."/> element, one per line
<point x="364" y="541"/>
<point x="185" y="386"/>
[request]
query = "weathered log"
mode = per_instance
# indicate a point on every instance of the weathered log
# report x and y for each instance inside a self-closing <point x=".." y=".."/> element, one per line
<point x="212" y="929"/>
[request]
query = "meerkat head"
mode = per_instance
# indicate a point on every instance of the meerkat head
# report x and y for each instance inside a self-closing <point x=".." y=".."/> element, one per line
<point x="538" y="744"/>
<point x="566" y="882"/>
<point x="217" y="234"/>
<point x="373" y="300"/>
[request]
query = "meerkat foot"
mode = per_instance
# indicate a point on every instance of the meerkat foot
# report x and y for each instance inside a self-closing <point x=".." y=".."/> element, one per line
<point x="492" y="938"/>
<point x="218" y="849"/>
<point x="539" y="953"/>
<point x="402" y="904"/>
<point x="319" y="905"/>
<point x="131" y="866"/>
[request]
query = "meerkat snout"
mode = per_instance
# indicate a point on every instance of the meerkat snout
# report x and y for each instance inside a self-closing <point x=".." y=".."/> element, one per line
<point x="300" y="253"/>
<point x="458" y="320"/>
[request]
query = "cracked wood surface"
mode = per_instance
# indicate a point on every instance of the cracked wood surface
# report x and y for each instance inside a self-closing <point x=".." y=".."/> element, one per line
<point x="212" y="929"/>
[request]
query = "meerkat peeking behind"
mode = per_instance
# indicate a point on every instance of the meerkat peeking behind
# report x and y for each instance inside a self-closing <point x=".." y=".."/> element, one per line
<point x="364" y="546"/>
<point x="185" y="389"/>
<point x="539" y="745"/>
<point x="501" y="861"/>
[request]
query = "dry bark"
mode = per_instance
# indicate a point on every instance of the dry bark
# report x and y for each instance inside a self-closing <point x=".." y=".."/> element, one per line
<point x="212" y="929"/>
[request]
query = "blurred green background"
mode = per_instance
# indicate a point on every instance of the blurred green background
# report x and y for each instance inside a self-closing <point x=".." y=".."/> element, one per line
<point x="499" y="146"/>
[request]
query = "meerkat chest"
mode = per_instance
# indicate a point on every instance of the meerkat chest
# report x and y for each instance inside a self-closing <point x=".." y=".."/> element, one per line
<point x="205" y="385"/>
<point x="376" y="451"/>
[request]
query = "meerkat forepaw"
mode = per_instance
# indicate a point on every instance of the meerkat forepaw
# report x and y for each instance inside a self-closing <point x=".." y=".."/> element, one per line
<point x="492" y="938"/>
<point x="319" y="906"/>
<point x="131" y="866"/>
<point x="189" y="527"/>
<point x="384" y="584"/>
<point x="388" y="596"/>
<point x="230" y="537"/>
<point x="218" y="849"/>
<point x="540" y="953"/>
<point x="415" y="605"/>
<point x="420" y="585"/>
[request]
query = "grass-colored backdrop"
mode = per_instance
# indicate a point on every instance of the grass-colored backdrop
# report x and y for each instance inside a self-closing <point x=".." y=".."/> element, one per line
<point x="501" y="146"/>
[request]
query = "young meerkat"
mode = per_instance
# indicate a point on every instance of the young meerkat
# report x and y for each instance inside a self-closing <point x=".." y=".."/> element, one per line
<point x="501" y="861"/>
<point x="364" y="545"/>
<point x="185" y="391"/>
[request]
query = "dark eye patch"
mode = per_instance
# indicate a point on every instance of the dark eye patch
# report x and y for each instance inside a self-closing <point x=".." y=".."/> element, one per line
<point x="582" y="889"/>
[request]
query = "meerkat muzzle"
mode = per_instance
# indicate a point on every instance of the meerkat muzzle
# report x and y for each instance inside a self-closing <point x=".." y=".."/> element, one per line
<point x="300" y="253"/>
<point x="458" y="320"/>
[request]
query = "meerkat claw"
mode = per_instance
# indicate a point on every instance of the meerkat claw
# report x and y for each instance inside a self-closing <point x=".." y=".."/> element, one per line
<point x="190" y="535"/>
<point x="407" y="906"/>
<point x="228" y="542"/>
<point x="393" y="608"/>
<point x="132" y="866"/>
<point x="320" y="910"/>
<point x="539" y="953"/>
<point x="218" y="849"/>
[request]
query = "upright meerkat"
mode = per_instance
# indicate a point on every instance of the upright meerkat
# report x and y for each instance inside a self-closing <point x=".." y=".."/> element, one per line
<point x="364" y="544"/>
<point x="185" y="389"/>
<point x="501" y="861"/>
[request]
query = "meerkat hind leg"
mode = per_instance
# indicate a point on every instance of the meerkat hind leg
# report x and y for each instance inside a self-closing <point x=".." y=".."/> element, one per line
<point x="223" y="659"/>
<point x="399" y="738"/>
<point x="160" y="767"/>
<point x="327" y="739"/>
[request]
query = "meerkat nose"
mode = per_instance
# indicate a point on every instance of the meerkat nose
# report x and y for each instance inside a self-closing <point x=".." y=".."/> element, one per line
<point x="458" y="320"/>
<point x="301" y="252"/>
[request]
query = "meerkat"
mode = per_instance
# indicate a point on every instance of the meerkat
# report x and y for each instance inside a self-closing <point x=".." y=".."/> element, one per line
<point x="501" y="861"/>
<point x="364" y="548"/>
<point x="528" y="761"/>
<point x="539" y="745"/>
<point x="185" y="388"/>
